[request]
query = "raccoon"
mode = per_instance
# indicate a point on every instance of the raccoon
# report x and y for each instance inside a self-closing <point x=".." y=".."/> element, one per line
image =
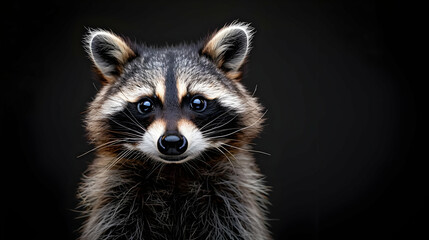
<point x="172" y="128"/>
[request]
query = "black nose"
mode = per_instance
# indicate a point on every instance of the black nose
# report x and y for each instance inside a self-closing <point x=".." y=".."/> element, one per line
<point x="172" y="144"/>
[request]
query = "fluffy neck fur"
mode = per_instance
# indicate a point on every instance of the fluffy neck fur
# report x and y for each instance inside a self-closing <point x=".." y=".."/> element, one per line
<point x="214" y="198"/>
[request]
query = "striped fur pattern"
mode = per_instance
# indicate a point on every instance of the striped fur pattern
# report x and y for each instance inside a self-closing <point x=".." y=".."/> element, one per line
<point x="210" y="190"/>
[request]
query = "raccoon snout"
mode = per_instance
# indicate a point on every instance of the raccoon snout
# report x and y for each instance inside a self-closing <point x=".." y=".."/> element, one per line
<point x="172" y="144"/>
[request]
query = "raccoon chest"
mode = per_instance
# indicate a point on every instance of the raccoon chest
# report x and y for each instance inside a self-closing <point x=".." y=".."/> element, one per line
<point x="186" y="210"/>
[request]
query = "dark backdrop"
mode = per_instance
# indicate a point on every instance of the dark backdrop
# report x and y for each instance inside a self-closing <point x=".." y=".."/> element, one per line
<point x="336" y="77"/>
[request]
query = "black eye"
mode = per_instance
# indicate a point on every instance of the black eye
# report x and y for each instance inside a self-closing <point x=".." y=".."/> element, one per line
<point x="145" y="105"/>
<point x="198" y="104"/>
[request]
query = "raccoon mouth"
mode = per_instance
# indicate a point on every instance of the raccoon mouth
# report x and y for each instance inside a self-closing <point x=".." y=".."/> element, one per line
<point x="173" y="158"/>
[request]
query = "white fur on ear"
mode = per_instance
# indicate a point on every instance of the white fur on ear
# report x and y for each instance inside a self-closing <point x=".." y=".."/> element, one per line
<point x="108" y="52"/>
<point x="230" y="46"/>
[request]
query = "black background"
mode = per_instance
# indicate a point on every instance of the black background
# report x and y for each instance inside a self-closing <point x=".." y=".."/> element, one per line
<point x="339" y="80"/>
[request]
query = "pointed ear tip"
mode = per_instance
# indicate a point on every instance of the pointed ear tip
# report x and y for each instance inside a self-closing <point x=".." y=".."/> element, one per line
<point x="244" y="26"/>
<point x="97" y="33"/>
<point x="89" y="37"/>
<point x="92" y="33"/>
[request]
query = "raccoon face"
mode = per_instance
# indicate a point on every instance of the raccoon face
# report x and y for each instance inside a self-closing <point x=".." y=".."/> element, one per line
<point x="172" y="104"/>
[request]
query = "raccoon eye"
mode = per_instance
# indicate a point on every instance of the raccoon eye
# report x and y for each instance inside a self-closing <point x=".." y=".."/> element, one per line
<point x="145" y="105"/>
<point x="198" y="104"/>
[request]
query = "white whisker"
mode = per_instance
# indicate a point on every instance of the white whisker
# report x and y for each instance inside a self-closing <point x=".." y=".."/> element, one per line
<point x="135" y="120"/>
<point x="107" y="144"/>
<point x="125" y="127"/>
<point x="219" y="126"/>
<point x="215" y="119"/>
<point x="247" y="150"/>
<point x="118" y="158"/>
<point x="232" y="165"/>
<point x="241" y="129"/>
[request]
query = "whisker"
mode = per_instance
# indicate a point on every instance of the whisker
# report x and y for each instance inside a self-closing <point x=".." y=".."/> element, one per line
<point x="219" y="126"/>
<point x="203" y="155"/>
<point x="118" y="158"/>
<point x="241" y="129"/>
<point x="232" y="155"/>
<point x="254" y="91"/>
<point x="247" y="150"/>
<point x="107" y="144"/>
<point x="126" y="133"/>
<point x="215" y="119"/>
<point x="218" y="131"/>
<point x="232" y="165"/>
<point x="135" y="120"/>
<point x="125" y="127"/>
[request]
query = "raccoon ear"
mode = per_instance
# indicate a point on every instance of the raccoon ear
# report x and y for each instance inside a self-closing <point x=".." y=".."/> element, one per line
<point x="229" y="48"/>
<point x="108" y="52"/>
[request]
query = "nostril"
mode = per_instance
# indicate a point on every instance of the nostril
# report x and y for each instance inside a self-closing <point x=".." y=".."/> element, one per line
<point x="183" y="145"/>
<point x="161" y="146"/>
<point x="171" y="139"/>
<point x="172" y="144"/>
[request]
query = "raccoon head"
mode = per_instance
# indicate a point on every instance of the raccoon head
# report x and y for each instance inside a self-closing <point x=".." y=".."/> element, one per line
<point x="172" y="104"/>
